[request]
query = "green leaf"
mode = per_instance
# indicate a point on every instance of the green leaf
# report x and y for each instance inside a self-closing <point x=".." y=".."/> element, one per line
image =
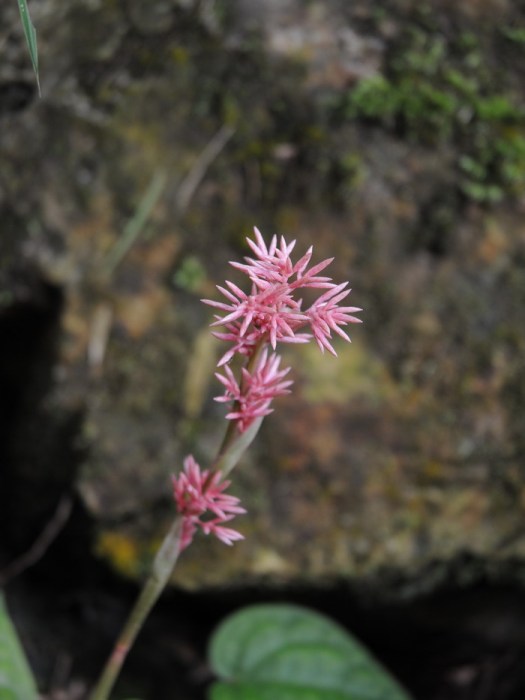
<point x="291" y="653"/>
<point x="30" y="34"/>
<point x="16" y="679"/>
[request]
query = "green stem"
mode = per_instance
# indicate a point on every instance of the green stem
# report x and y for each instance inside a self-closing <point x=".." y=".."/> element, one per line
<point x="162" y="569"/>
<point x="233" y="446"/>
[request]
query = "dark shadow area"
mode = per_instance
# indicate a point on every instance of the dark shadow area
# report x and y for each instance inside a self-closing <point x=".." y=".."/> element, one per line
<point x="35" y="442"/>
<point x="462" y="642"/>
<point x="459" y="643"/>
<point x="15" y="96"/>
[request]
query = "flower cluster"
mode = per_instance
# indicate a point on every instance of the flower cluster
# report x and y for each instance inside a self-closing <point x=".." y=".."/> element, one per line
<point x="253" y="395"/>
<point x="271" y="313"/>
<point x="200" y="493"/>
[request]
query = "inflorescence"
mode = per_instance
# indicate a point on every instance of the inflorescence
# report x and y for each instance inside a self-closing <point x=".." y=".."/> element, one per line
<point x="271" y="313"/>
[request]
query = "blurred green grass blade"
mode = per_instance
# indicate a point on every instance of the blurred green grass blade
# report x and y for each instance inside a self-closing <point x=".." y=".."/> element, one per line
<point x="137" y="223"/>
<point x="30" y="33"/>
<point x="16" y="679"/>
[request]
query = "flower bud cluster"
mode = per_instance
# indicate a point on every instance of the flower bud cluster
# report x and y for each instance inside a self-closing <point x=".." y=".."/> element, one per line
<point x="199" y="494"/>
<point x="274" y="311"/>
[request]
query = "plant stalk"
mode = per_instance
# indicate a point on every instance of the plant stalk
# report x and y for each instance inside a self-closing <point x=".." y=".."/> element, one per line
<point x="233" y="446"/>
<point x="162" y="569"/>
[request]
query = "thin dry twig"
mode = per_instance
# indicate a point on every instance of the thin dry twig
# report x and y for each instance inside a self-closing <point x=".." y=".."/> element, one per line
<point x="193" y="179"/>
<point x="42" y="542"/>
<point x="98" y="339"/>
<point x="137" y="224"/>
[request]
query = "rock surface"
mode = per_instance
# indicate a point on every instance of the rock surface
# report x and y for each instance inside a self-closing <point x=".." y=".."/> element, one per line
<point x="405" y="452"/>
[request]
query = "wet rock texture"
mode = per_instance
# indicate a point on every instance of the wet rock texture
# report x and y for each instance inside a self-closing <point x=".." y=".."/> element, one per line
<point x="389" y="138"/>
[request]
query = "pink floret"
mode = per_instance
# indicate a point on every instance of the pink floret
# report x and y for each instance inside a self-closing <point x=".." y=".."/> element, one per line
<point x="200" y="493"/>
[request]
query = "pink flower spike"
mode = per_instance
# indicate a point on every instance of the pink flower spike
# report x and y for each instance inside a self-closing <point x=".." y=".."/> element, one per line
<point x="187" y="489"/>
<point x="198" y="493"/>
<point x="253" y="396"/>
<point x="271" y="312"/>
